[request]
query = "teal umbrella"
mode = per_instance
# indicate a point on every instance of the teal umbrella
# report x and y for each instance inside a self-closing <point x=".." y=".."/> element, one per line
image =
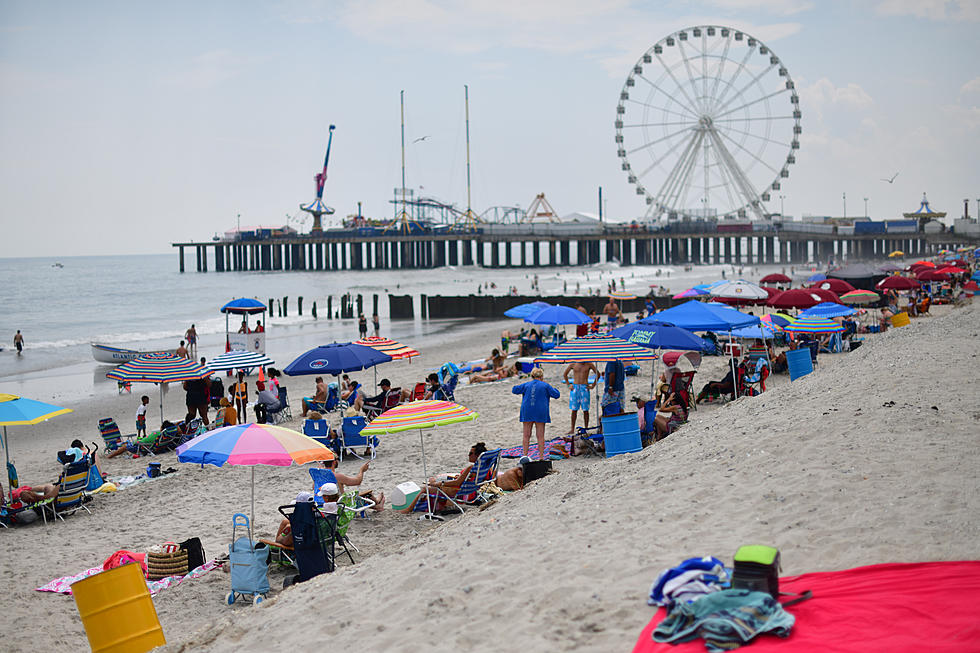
<point x="17" y="411"/>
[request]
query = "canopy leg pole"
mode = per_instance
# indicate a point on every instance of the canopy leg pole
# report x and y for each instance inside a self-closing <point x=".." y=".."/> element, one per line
<point x="734" y="373"/>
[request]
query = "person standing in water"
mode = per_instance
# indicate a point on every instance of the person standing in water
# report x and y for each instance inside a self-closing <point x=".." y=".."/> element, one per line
<point x="19" y="342"/>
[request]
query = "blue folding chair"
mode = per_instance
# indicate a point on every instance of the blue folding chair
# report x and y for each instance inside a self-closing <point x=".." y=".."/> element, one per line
<point x="350" y="435"/>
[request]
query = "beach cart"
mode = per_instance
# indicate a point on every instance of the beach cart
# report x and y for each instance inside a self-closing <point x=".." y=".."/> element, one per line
<point x="314" y="534"/>
<point x="249" y="562"/>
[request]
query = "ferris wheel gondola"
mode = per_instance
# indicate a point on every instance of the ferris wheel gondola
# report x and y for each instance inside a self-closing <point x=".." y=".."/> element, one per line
<point x="707" y="125"/>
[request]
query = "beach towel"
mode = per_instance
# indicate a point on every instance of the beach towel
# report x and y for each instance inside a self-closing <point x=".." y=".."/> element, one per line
<point x="550" y="448"/>
<point x="63" y="585"/>
<point x="886" y="607"/>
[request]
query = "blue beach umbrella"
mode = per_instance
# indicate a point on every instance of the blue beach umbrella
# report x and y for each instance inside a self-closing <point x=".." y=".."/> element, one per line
<point x="524" y="310"/>
<point x="819" y="276"/>
<point x="336" y="358"/>
<point x="828" y="309"/>
<point x="559" y="315"/>
<point x="244" y="306"/>
<point x="657" y="334"/>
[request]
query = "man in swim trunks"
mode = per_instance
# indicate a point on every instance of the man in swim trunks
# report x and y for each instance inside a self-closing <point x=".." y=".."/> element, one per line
<point x="578" y="397"/>
<point x="611" y="309"/>
<point x="191" y="336"/>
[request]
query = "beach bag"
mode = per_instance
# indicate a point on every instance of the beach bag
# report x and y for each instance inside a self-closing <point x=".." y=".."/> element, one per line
<point x="195" y="553"/>
<point x="757" y="569"/>
<point x="166" y="560"/>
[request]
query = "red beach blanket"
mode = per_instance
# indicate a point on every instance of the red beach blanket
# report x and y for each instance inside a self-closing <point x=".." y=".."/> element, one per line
<point x="888" y="607"/>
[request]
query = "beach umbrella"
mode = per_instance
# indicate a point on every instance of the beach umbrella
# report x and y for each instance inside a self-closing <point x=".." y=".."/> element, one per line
<point x="20" y="411"/>
<point x="775" y="278"/>
<point x="336" y="358"/>
<point x="657" y="334"/>
<point x="949" y="269"/>
<point x="971" y="287"/>
<point x="824" y="295"/>
<point x="425" y="414"/>
<point x="740" y="291"/>
<point x="897" y="282"/>
<point x="239" y="360"/>
<point x="814" y="324"/>
<point x="250" y="445"/>
<point x="931" y="275"/>
<point x="559" y="315"/>
<point x="860" y="297"/>
<point x="596" y="348"/>
<point x="393" y="348"/>
<point x="836" y="286"/>
<point x="819" y="276"/>
<point x="521" y="311"/>
<point x="691" y="292"/>
<point x="796" y="298"/>
<point x="928" y="264"/>
<point x="828" y="309"/>
<point x="621" y="294"/>
<point x="896" y="254"/>
<point x="159" y="368"/>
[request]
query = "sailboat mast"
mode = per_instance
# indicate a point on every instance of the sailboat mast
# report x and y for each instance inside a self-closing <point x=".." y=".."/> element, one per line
<point x="469" y="203"/>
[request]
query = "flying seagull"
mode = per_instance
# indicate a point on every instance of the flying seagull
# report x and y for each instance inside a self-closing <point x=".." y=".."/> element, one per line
<point x="892" y="180"/>
<point x="422" y="138"/>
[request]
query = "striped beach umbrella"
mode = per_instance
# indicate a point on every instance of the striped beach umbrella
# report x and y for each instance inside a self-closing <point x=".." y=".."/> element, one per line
<point x="250" y="445"/>
<point x="419" y="415"/>
<point x="160" y="368"/>
<point x="860" y="297"/>
<point x="622" y="294"/>
<point x="235" y="360"/>
<point x="388" y="346"/>
<point x="811" y="324"/>
<point x="596" y="348"/>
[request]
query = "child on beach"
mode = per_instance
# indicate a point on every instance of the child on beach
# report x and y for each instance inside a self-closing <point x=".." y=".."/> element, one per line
<point x="141" y="416"/>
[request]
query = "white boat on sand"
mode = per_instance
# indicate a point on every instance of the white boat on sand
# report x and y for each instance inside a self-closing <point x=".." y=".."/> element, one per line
<point x="118" y="356"/>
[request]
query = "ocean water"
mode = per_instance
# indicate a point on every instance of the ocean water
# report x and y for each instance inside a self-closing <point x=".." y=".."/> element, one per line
<point x="144" y="302"/>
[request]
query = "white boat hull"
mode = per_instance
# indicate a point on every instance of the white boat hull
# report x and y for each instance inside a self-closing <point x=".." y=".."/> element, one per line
<point x="117" y="355"/>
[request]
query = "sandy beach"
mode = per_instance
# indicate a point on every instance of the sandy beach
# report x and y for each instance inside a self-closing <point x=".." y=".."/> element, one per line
<point x="872" y="458"/>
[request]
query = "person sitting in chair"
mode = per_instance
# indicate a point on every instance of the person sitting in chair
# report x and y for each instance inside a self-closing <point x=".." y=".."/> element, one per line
<point x="676" y="414"/>
<point x="448" y="486"/>
<point x="378" y="400"/>
<point x="265" y="401"/>
<point x="343" y="481"/>
<point x="725" y="386"/>
<point x="29" y="494"/>
<point x="319" y="397"/>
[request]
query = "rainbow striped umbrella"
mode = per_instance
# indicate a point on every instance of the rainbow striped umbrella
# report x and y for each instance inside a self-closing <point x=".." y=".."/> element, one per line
<point x="691" y="292"/>
<point x="388" y="346"/>
<point x="160" y="368"/>
<point x="812" y="324"/>
<point x="860" y="297"/>
<point x="420" y="415"/>
<point x="596" y="348"/>
<point x="622" y="294"/>
<point x="252" y="444"/>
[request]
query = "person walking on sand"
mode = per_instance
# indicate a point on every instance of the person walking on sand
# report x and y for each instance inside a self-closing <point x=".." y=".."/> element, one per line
<point x="535" y="408"/>
<point x="19" y="342"/>
<point x="578" y="395"/>
<point x="191" y="336"/>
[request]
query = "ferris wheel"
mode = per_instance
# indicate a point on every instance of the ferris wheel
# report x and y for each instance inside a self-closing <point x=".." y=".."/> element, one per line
<point x="707" y="125"/>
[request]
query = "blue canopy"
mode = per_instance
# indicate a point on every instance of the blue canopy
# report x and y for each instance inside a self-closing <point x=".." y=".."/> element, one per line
<point x="828" y="309"/>
<point x="244" y="305"/>
<point x="336" y="358"/>
<point x="524" y="310"/>
<point x="697" y="316"/>
<point x="558" y="315"/>
<point x="656" y="334"/>
<point x="759" y="331"/>
<point x="819" y="276"/>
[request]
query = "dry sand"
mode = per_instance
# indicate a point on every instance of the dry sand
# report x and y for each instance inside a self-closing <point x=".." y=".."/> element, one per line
<point x="825" y="468"/>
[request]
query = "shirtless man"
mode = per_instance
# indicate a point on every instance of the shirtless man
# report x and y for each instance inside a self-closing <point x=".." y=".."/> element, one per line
<point x="191" y="336"/>
<point x="578" y="396"/>
<point x="611" y="310"/>
<point x="182" y="351"/>
<point x="319" y="397"/>
<point x="19" y="342"/>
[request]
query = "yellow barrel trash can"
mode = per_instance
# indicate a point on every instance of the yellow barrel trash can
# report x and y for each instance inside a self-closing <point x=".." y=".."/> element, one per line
<point x="117" y="611"/>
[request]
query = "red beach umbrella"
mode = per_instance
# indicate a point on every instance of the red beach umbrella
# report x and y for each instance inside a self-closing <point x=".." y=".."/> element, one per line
<point x="898" y="283"/>
<point x="824" y="294"/>
<point x="796" y="298"/>
<point x="775" y="278"/>
<point x="838" y="286"/>
<point x="951" y="270"/>
<point x="932" y="275"/>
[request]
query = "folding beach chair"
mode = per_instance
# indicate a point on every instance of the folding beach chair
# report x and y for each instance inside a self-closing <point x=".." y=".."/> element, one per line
<point x="419" y="392"/>
<point x="350" y="435"/>
<point x="111" y="436"/>
<point x="681" y="384"/>
<point x="448" y="378"/>
<point x="168" y="440"/>
<point x="313" y="540"/>
<point x="390" y="400"/>
<point x="71" y="492"/>
<point x="282" y="412"/>
<point x="319" y="430"/>
<point x="483" y="470"/>
<point x="754" y="382"/>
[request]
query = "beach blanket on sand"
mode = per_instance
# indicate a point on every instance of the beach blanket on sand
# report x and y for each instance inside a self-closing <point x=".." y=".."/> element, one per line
<point x="518" y="451"/>
<point x="63" y="585"/>
<point x="888" y="607"/>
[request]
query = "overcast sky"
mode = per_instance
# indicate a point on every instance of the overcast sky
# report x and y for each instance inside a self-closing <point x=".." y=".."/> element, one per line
<point x="126" y="126"/>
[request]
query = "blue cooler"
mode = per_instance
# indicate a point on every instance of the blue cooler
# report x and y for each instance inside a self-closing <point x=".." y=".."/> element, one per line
<point x="799" y="362"/>
<point x="621" y="434"/>
<point x="153" y="470"/>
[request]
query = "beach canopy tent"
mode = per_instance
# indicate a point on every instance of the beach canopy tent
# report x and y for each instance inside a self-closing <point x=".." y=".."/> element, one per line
<point x="775" y="278"/>
<point x="558" y="315"/>
<point x="897" y="282"/>
<point x="836" y="286"/>
<point x="859" y="275"/>
<point x="795" y="298"/>
<point x="425" y="414"/>
<point x="252" y="444"/>
<point x="691" y="292"/>
<point x="829" y="310"/>
<point x="239" y="360"/>
<point x="159" y="368"/>
<point x="336" y="358"/>
<point x="522" y="311"/>
<point x="20" y="411"/>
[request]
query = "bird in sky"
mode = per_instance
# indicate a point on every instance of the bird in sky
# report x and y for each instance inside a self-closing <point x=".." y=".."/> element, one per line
<point x="421" y="138"/>
<point x="892" y="180"/>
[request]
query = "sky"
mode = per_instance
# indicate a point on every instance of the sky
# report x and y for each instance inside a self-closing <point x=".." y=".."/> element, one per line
<point x="127" y="126"/>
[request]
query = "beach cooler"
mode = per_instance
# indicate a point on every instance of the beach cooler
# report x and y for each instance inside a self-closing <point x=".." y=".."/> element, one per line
<point x="404" y="494"/>
<point x="799" y="362"/>
<point x="249" y="564"/>
<point x="621" y="434"/>
<point x="525" y="364"/>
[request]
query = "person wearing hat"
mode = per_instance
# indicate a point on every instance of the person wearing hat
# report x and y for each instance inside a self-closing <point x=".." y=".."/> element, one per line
<point x="343" y="481"/>
<point x="265" y="401"/>
<point x="378" y="400"/>
<point x="330" y="494"/>
<point x="227" y="413"/>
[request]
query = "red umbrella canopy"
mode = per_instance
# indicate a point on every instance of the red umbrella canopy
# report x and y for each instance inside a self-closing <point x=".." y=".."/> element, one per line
<point x="775" y="278"/>
<point x="797" y="298"/>
<point x="928" y="264"/>
<point x="898" y="283"/>
<point x="838" y="286"/>
<point x="931" y="275"/>
<point x="971" y="286"/>
<point x="824" y="294"/>
<point x="951" y="270"/>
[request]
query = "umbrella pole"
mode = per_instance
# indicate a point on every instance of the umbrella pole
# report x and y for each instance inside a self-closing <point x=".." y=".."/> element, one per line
<point x="161" y="404"/>
<point x="252" y="467"/>
<point x="425" y="473"/>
